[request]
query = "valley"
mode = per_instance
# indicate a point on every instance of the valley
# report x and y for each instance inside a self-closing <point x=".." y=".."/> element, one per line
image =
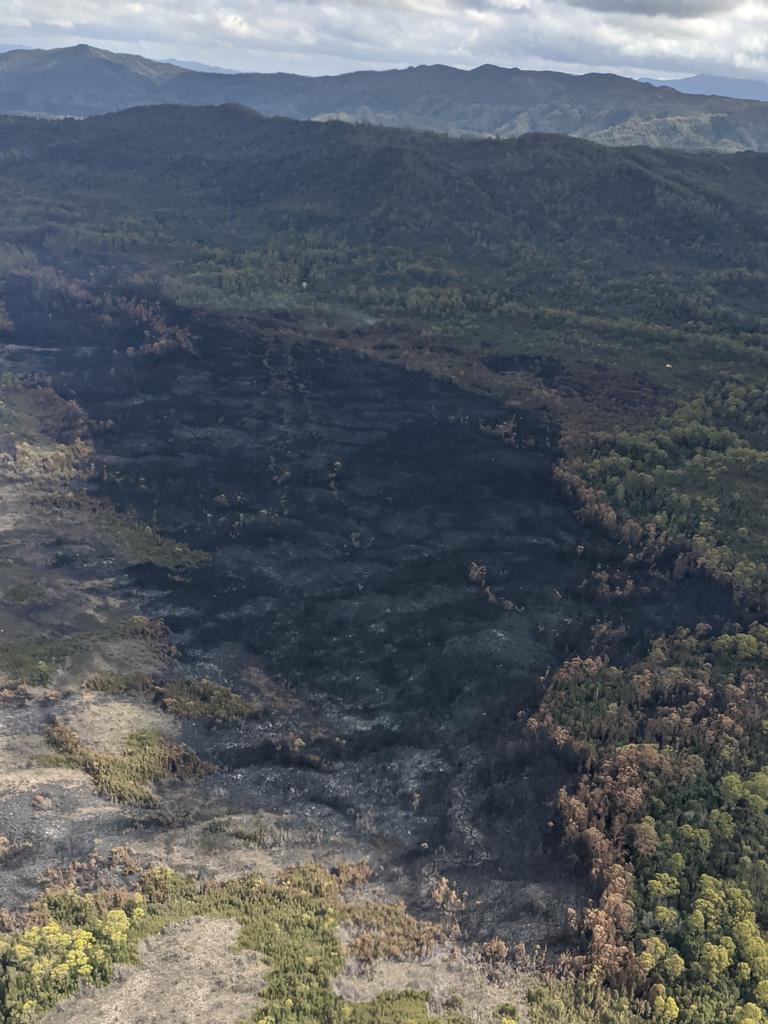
<point x="387" y="625"/>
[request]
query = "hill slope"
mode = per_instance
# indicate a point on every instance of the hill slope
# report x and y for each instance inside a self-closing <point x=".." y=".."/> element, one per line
<point x="77" y="81"/>
<point x="488" y="100"/>
<point x="654" y="235"/>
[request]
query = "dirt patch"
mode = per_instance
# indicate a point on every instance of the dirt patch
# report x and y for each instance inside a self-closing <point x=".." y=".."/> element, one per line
<point x="189" y="974"/>
<point x="20" y="751"/>
<point x="22" y="765"/>
<point x="123" y="655"/>
<point x="452" y="979"/>
<point x="230" y="846"/>
<point x="105" y="723"/>
<point x="197" y="850"/>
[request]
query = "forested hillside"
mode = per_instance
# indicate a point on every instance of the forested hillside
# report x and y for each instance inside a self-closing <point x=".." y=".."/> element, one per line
<point x="673" y="238"/>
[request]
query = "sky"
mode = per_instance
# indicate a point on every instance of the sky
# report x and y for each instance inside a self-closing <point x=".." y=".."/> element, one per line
<point x="654" y="38"/>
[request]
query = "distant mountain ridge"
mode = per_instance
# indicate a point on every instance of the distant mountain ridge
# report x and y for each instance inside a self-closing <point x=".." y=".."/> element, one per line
<point x="714" y="85"/>
<point x="193" y="65"/>
<point x="487" y="101"/>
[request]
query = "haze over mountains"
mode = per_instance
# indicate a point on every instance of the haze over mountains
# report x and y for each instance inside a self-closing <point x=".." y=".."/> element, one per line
<point x="194" y="65"/>
<point x="714" y="85"/>
<point x="487" y="101"/>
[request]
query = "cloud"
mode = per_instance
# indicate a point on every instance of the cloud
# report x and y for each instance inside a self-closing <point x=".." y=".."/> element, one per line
<point x="643" y="37"/>
<point x="669" y="8"/>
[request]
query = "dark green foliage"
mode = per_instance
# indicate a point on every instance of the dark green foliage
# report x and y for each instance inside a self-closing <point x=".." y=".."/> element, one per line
<point x="398" y="221"/>
<point x="581" y="1002"/>
<point x="696" y="481"/>
<point x="677" y="790"/>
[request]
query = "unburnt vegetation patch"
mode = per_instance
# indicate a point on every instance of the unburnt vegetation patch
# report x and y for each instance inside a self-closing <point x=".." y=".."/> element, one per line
<point x="74" y="939"/>
<point x="128" y="777"/>
<point x="188" y="698"/>
<point x="192" y="972"/>
<point x="34" y="660"/>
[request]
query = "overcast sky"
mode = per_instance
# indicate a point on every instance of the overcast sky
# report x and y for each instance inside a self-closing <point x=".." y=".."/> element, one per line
<point x="663" y="38"/>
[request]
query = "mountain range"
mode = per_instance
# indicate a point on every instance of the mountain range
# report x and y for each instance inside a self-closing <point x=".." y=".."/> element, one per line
<point x="486" y="101"/>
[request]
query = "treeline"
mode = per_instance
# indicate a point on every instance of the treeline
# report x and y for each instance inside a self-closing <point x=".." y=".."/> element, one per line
<point x="695" y="483"/>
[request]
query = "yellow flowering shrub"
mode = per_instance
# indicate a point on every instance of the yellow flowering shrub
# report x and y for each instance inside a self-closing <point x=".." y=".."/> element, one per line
<point x="47" y="962"/>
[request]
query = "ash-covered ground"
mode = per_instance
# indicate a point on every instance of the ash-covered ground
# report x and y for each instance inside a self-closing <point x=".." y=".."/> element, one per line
<point x="392" y="569"/>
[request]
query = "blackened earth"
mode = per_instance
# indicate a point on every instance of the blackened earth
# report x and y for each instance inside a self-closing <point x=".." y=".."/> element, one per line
<point x="344" y="504"/>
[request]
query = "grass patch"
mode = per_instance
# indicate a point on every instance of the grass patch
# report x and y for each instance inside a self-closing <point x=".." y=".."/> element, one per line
<point x="294" y="923"/>
<point x="34" y="660"/>
<point x="23" y="409"/>
<point x="188" y="698"/>
<point x="257" y="834"/>
<point x="129" y="777"/>
<point x="134" y="542"/>
<point x="86" y="519"/>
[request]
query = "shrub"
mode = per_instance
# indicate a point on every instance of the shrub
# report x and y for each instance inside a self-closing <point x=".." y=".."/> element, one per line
<point x="128" y="777"/>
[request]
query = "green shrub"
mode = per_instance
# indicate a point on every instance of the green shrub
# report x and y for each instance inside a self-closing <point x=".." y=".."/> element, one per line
<point x="128" y="777"/>
<point x="34" y="660"/>
<point x="293" y="922"/>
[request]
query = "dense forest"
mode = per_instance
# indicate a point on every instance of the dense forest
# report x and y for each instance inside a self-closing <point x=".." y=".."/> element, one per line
<point x="618" y="292"/>
<point x="400" y="221"/>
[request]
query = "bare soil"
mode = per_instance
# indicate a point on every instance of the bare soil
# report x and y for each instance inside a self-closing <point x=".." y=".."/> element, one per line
<point x="452" y="978"/>
<point x="191" y="973"/>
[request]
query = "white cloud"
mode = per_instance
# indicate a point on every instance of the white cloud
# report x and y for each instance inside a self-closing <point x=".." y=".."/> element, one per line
<point x="326" y="36"/>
